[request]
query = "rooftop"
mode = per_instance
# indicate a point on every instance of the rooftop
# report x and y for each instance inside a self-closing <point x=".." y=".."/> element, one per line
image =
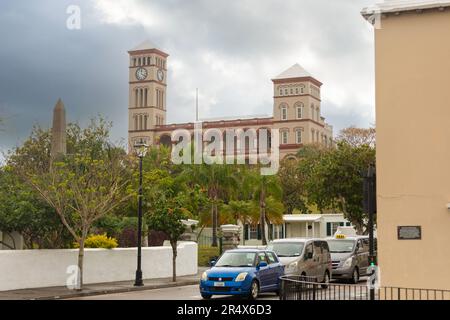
<point x="296" y="71"/>
<point x="397" y="6"/>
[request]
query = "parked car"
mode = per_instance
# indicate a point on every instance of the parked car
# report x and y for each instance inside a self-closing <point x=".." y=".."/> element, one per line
<point x="350" y="256"/>
<point x="242" y="272"/>
<point x="304" y="257"/>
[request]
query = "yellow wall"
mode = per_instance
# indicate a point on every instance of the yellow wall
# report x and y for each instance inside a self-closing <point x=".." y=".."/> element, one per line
<point x="413" y="147"/>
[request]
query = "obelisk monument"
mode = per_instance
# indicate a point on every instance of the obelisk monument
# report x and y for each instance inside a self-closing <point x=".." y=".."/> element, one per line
<point x="59" y="130"/>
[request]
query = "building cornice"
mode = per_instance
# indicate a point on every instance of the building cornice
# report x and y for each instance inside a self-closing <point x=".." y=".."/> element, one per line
<point x="301" y="79"/>
<point x="148" y="51"/>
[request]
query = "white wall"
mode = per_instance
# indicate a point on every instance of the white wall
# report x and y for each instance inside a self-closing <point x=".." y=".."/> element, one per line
<point x="20" y="269"/>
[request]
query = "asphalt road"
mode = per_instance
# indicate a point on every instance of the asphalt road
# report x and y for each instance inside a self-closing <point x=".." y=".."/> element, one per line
<point x="174" y="293"/>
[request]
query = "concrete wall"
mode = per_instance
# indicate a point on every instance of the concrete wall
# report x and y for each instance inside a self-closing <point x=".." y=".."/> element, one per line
<point x="44" y="268"/>
<point x="413" y="147"/>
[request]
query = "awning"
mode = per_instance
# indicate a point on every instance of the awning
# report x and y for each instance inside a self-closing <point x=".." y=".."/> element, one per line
<point x="302" y="218"/>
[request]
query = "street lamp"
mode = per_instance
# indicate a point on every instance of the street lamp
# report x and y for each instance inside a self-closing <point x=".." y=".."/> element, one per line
<point x="370" y="206"/>
<point x="141" y="150"/>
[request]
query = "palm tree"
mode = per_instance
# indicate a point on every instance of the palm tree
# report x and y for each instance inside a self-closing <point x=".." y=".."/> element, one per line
<point x="265" y="187"/>
<point x="220" y="182"/>
<point x="240" y="211"/>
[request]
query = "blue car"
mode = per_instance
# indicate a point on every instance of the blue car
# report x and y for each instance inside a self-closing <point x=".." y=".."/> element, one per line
<point x="242" y="272"/>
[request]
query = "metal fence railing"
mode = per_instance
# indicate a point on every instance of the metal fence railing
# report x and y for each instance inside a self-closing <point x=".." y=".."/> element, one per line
<point x="307" y="288"/>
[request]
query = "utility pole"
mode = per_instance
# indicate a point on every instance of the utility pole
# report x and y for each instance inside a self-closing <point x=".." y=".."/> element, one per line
<point x="370" y="207"/>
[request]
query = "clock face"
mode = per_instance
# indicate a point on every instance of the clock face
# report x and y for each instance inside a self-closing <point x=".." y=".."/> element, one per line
<point x="160" y="75"/>
<point x="141" y="74"/>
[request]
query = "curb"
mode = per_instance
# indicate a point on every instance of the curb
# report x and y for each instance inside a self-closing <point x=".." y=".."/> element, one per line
<point x="120" y="290"/>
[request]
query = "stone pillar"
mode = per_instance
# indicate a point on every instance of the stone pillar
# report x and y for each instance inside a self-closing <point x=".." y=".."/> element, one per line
<point x="230" y="236"/>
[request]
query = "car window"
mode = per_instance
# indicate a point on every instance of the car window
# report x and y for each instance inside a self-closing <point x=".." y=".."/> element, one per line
<point x="325" y="247"/>
<point x="366" y="245"/>
<point x="308" y="249"/>
<point x="317" y="247"/>
<point x="262" y="257"/>
<point x="272" y="257"/>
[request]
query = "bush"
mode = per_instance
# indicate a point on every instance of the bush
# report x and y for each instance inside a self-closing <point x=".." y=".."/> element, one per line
<point x="99" y="241"/>
<point x="205" y="254"/>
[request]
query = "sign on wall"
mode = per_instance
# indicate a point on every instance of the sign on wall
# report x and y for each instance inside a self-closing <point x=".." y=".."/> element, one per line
<point x="409" y="233"/>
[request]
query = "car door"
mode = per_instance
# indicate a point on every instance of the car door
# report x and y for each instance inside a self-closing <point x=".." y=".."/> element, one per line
<point x="264" y="272"/>
<point x="308" y="267"/>
<point x="318" y="260"/>
<point x="276" y="269"/>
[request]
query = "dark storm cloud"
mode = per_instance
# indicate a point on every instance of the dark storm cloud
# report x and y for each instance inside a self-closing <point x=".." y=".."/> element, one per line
<point x="229" y="49"/>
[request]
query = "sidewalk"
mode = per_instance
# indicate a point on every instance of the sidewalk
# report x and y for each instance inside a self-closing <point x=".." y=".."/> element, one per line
<point x="53" y="293"/>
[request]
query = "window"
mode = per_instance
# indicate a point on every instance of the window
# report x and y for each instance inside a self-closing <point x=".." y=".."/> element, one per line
<point x="298" y="136"/>
<point x="312" y="135"/>
<point x="284" y="113"/>
<point x="253" y="230"/>
<point x="299" y="111"/>
<point x="312" y="112"/>
<point x="284" y="137"/>
<point x="332" y="228"/>
<point x="272" y="257"/>
<point x="318" y="114"/>
<point x="262" y="257"/>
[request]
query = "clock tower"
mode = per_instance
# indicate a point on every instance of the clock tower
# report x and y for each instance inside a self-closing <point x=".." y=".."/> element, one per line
<point x="147" y="92"/>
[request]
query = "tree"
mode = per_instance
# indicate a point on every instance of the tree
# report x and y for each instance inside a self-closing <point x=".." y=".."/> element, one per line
<point x="293" y="186"/>
<point x="334" y="180"/>
<point x="357" y="137"/>
<point x="263" y="187"/>
<point x="168" y="216"/>
<point x="87" y="184"/>
<point x="23" y="211"/>
<point x="219" y="181"/>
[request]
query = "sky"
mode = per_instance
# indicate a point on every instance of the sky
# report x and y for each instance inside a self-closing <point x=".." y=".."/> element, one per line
<point x="230" y="50"/>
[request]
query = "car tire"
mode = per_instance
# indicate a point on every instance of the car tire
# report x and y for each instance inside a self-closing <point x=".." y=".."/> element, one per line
<point x="326" y="280"/>
<point x="254" y="290"/>
<point x="206" y="296"/>
<point x="355" y="276"/>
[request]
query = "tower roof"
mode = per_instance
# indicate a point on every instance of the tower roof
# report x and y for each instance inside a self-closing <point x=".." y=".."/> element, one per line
<point x="146" y="45"/>
<point x="397" y="6"/>
<point x="296" y="71"/>
<point x="59" y="105"/>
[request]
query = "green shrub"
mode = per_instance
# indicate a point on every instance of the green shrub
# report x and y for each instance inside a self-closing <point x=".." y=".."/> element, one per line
<point x="205" y="254"/>
<point x="99" y="241"/>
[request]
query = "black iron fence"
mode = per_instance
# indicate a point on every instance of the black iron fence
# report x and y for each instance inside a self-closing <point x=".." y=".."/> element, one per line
<point x="307" y="288"/>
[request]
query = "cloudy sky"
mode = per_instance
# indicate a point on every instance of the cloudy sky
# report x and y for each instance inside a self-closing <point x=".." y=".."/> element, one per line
<point x="228" y="49"/>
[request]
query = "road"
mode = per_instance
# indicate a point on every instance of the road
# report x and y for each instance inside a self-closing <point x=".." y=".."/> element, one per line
<point x="174" y="293"/>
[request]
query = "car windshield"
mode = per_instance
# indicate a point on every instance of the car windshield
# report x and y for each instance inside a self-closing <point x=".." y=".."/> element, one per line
<point x="237" y="259"/>
<point x="341" y="246"/>
<point x="287" y="249"/>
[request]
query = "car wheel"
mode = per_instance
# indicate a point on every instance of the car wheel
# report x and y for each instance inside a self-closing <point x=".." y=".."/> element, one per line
<point x="355" y="276"/>
<point x="254" y="290"/>
<point x="326" y="281"/>
<point x="206" y="296"/>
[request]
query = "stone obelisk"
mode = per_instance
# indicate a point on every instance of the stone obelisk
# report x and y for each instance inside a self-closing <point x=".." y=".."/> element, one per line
<point x="59" y="130"/>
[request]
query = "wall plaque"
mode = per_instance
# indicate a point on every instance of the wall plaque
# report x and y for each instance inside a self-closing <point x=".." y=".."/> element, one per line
<point x="409" y="233"/>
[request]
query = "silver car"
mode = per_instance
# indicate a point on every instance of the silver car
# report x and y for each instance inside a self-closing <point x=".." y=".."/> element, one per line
<point x="350" y="257"/>
<point x="304" y="257"/>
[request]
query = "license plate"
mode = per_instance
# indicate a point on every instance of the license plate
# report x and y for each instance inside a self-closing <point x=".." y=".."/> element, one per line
<point x="219" y="284"/>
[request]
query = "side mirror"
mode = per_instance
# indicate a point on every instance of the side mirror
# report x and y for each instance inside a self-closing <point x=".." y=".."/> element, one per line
<point x="262" y="264"/>
<point x="212" y="263"/>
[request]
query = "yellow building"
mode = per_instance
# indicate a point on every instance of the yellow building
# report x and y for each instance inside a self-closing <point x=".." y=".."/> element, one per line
<point x="412" y="50"/>
<point x="296" y="110"/>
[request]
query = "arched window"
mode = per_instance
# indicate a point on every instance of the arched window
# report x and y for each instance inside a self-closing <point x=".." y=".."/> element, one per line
<point x="136" y="97"/>
<point x="145" y="122"/>
<point x="145" y="97"/>
<point x="140" y="122"/>
<point x="318" y="113"/>
<point x="312" y="135"/>
<point x="283" y="112"/>
<point x="136" y="122"/>
<point x="298" y="136"/>
<point x="284" y="137"/>
<point x="299" y="110"/>
<point x="312" y="112"/>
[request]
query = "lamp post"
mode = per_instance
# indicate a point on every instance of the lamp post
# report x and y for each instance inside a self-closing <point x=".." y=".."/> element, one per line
<point x="370" y="207"/>
<point x="141" y="150"/>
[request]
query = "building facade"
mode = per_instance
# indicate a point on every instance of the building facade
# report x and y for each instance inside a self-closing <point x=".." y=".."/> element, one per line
<point x="413" y="142"/>
<point x="297" y="110"/>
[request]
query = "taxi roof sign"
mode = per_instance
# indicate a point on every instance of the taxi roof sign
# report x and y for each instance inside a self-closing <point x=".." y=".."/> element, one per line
<point x="340" y="236"/>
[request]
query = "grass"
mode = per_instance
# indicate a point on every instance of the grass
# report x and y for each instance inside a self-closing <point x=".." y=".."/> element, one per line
<point x="205" y="254"/>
